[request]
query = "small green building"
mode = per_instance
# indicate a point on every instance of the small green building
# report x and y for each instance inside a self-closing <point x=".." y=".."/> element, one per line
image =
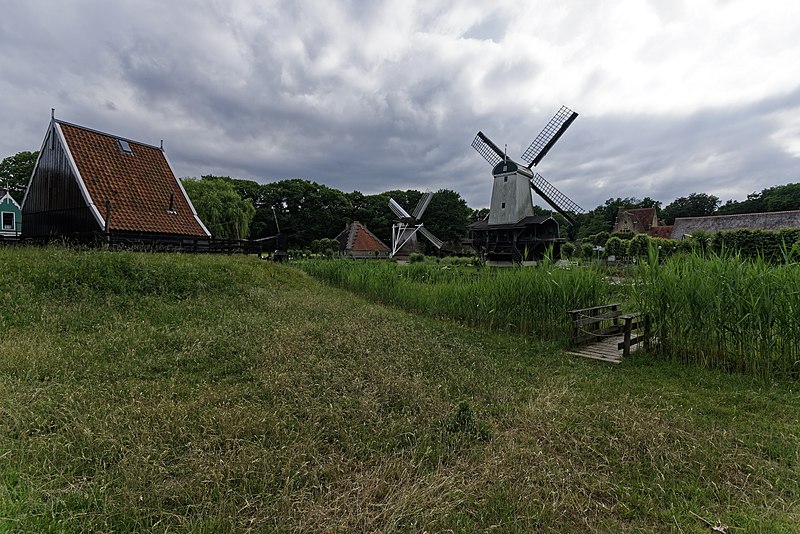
<point x="10" y="216"/>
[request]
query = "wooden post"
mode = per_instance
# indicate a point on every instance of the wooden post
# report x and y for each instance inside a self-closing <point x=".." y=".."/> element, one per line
<point x="575" y="330"/>
<point x="614" y="312"/>
<point x="626" y="350"/>
<point x="647" y="331"/>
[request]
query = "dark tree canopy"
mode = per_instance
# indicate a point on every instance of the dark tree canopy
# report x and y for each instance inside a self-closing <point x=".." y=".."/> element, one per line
<point x="777" y="198"/>
<point x="15" y="172"/>
<point x="695" y="205"/>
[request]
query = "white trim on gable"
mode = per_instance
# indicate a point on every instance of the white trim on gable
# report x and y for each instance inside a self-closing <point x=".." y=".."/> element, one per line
<point x="11" y="199"/>
<point x="81" y="184"/>
<point x="185" y="195"/>
<point x="36" y="165"/>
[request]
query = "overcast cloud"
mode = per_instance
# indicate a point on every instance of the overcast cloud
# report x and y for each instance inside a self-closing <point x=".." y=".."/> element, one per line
<point x="674" y="97"/>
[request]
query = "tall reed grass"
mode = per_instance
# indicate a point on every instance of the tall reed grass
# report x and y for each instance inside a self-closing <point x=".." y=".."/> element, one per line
<point x="724" y="312"/>
<point x="531" y="301"/>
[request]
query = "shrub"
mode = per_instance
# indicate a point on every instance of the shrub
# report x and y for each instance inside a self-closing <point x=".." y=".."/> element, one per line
<point x="416" y="257"/>
<point x="639" y="246"/>
<point x="616" y="247"/>
<point x="599" y="238"/>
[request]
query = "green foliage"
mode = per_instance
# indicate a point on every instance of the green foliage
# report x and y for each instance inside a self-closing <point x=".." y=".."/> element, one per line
<point x="416" y="257"/>
<point x="530" y="301"/>
<point x="778" y="198"/>
<point x="464" y="421"/>
<point x="725" y="313"/>
<point x="16" y="171"/>
<point x="222" y="210"/>
<point x="586" y="250"/>
<point x="695" y="205"/>
<point x="598" y="239"/>
<point x="616" y="247"/>
<point x="568" y="250"/>
<point x="325" y="246"/>
<point x="639" y="245"/>
<point x="771" y="245"/>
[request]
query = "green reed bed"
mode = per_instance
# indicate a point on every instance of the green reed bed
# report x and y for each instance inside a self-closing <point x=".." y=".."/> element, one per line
<point x="531" y="301"/>
<point x="724" y="312"/>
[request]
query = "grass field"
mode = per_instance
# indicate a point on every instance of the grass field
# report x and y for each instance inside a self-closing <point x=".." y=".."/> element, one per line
<point x="218" y="394"/>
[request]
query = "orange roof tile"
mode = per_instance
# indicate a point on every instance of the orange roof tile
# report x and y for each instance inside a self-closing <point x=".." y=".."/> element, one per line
<point x="138" y="185"/>
<point x="361" y="239"/>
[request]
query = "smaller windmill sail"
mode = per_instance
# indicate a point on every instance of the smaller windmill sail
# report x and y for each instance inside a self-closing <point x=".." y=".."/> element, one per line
<point x="488" y="149"/>
<point x="408" y="226"/>
<point x="558" y="200"/>
<point x="548" y="136"/>
<point x="398" y="210"/>
<point x="422" y="205"/>
<point x="435" y="241"/>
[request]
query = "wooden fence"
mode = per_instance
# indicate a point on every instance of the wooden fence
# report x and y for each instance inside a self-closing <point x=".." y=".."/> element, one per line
<point x="591" y="325"/>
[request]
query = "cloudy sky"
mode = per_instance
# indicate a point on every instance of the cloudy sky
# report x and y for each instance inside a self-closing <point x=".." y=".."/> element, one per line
<point x="674" y="97"/>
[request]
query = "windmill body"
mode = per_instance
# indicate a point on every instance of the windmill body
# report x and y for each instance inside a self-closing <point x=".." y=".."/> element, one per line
<point x="511" y="194"/>
<point x="512" y="233"/>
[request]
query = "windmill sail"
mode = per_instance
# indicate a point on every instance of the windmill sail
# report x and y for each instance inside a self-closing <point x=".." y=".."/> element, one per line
<point x="422" y="205"/>
<point x="548" y="136"/>
<point x="435" y="241"/>
<point x="558" y="200"/>
<point x="487" y="149"/>
<point x="398" y="210"/>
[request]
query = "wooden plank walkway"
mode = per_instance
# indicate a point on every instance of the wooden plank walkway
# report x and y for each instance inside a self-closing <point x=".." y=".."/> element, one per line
<point x="605" y="350"/>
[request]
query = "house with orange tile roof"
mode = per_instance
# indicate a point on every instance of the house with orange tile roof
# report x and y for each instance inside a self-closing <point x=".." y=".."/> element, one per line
<point x="86" y="181"/>
<point x="358" y="242"/>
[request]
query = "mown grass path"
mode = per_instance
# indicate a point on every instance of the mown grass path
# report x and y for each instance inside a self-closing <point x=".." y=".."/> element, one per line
<point x="164" y="393"/>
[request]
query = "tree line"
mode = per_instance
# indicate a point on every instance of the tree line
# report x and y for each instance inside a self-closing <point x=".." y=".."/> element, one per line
<point x="307" y="211"/>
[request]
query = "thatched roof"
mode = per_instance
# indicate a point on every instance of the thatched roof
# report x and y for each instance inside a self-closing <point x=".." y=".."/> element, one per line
<point x="776" y="220"/>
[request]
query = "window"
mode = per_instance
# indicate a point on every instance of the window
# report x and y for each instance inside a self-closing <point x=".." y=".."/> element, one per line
<point x="505" y="178"/>
<point x="8" y="220"/>
<point x="503" y="206"/>
<point x="124" y="146"/>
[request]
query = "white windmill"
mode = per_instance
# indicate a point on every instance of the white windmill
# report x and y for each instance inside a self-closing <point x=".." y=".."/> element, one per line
<point x="405" y="229"/>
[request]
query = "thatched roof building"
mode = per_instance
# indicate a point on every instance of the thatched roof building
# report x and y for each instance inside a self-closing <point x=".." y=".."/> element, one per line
<point x="776" y="220"/>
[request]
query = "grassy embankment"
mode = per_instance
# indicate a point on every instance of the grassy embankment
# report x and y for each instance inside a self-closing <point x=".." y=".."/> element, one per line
<point x="212" y="394"/>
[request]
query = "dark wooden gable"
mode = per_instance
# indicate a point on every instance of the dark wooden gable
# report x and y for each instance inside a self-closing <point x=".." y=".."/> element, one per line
<point x="54" y="203"/>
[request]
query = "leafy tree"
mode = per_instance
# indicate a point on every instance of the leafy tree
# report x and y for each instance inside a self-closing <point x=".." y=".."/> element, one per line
<point x="639" y="245"/>
<point x="222" y="210"/>
<point x="305" y="210"/>
<point x="479" y="215"/>
<point x="695" y="205"/>
<point x="15" y="172"/>
<point x="777" y="198"/>
<point x="616" y="247"/>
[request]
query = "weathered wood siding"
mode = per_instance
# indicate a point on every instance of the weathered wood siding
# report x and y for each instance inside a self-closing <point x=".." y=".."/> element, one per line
<point x="54" y="204"/>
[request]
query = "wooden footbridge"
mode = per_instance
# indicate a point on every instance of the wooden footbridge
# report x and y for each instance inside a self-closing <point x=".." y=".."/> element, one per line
<point x="604" y="333"/>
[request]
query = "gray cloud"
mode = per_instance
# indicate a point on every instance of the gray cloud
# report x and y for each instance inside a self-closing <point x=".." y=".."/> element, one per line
<point x="364" y="97"/>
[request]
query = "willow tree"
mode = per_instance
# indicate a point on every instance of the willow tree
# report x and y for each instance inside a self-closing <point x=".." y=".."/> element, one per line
<point x="226" y="214"/>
